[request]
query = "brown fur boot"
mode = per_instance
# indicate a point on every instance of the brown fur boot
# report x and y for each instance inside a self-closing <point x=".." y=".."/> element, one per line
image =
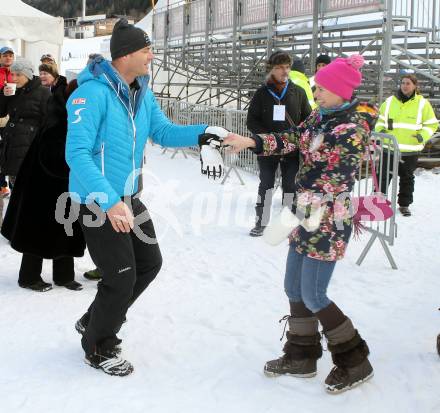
<point x="349" y="354"/>
<point x="301" y="351"/>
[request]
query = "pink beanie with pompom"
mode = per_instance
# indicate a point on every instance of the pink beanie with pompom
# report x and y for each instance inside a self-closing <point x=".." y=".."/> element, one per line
<point x="341" y="76"/>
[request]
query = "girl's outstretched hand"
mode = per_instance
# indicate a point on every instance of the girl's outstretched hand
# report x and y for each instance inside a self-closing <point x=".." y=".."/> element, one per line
<point x="238" y="142"/>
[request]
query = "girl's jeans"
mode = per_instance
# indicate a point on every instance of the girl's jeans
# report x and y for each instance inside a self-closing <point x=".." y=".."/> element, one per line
<point x="307" y="280"/>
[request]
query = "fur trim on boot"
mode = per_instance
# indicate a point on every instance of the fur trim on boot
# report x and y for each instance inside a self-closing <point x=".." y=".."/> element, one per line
<point x="350" y="353"/>
<point x="300" y="347"/>
<point x="350" y="356"/>
<point x="301" y="351"/>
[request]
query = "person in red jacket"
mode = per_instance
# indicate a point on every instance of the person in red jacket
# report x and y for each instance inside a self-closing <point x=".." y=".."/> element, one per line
<point x="7" y="57"/>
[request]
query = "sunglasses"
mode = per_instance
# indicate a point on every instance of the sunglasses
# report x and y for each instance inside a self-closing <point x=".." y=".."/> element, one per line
<point x="47" y="56"/>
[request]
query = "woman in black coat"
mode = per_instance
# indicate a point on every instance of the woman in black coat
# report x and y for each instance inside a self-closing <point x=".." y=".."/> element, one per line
<point x="26" y="107"/>
<point x="30" y="223"/>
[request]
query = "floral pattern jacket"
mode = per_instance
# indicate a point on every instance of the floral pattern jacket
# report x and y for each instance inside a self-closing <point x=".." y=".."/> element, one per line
<point x="331" y="148"/>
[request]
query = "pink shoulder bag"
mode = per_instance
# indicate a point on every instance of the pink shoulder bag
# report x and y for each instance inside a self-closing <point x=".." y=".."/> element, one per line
<point x="370" y="208"/>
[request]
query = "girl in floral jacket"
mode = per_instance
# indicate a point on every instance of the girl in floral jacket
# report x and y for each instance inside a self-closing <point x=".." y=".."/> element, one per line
<point x="331" y="142"/>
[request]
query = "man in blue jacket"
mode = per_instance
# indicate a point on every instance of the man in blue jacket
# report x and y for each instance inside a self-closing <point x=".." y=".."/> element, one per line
<point x="110" y="117"/>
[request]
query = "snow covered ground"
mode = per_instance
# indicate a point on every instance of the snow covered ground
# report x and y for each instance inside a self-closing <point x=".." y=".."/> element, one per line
<point x="75" y="52"/>
<point x="199" y="336"/>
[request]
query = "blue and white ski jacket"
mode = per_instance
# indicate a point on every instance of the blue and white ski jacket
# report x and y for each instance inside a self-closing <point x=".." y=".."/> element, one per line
<point x="107" y="131"/>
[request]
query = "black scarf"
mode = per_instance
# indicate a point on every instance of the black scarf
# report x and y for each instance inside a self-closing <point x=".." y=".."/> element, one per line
<point x="402" y="97"/>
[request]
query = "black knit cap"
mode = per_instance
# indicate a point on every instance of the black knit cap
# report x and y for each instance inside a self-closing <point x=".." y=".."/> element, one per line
<point x="323" y="58"/>
<point x="127" y="39"/>
<point x="298" y="65"/>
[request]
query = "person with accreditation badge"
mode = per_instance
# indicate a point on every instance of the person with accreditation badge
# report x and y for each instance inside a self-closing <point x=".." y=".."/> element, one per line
<point x="276" y="106"/>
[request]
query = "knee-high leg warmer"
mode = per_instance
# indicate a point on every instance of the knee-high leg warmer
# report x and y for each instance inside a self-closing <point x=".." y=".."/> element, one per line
<point x="346" y="345"/>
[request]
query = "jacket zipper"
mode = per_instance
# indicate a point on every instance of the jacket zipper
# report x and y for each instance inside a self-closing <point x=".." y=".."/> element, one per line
<point x="102" y="159"/>
<point x="131" y="114"/>
<point x="134" y="141"/>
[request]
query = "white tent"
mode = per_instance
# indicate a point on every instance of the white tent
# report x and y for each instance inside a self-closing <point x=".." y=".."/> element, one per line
<point x="30" y="32"/>
<point x="146" y="23"/>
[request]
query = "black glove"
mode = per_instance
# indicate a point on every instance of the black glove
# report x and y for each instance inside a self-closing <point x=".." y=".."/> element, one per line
<point x="209" y="139"/>
<point x="212" y="136"/>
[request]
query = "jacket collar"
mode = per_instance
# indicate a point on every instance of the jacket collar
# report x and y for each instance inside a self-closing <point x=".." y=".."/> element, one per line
<point x="402" y="97"/>
<point x="32" y="84"/>
<point x="102" y="70"/>
<point x="340" y="110"/>
<point x="60" y="82"/>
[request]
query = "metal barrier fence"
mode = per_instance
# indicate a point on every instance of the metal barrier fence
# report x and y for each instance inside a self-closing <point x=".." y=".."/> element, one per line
<point x="193" y="20"/>
<point x="234" y="120"/>
<point x="383" y="148"/>
<point x="386" y="156"/>
<point x="182" y="21"/>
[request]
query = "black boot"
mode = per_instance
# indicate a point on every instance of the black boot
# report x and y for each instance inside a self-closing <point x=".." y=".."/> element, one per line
<point x="258" y="230"/>
<point x="72" y="285"/>
<point x="301" y="351"/>
<point x="114" y="346"/>
<point x="106" y="358"/>
<point x="40" y="286"/>
<point x="350" y="356"/>
<point x="82" y="323"/>
<point x="405" y="211"/>
<point x="438" y="344"/>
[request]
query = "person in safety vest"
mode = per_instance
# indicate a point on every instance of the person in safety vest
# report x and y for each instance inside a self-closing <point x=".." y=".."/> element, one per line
<point x="409" y="117"/>
<point x="297" y="76"/>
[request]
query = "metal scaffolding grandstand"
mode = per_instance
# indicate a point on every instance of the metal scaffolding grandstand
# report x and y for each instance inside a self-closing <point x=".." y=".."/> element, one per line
<point x="213" y="51"/>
